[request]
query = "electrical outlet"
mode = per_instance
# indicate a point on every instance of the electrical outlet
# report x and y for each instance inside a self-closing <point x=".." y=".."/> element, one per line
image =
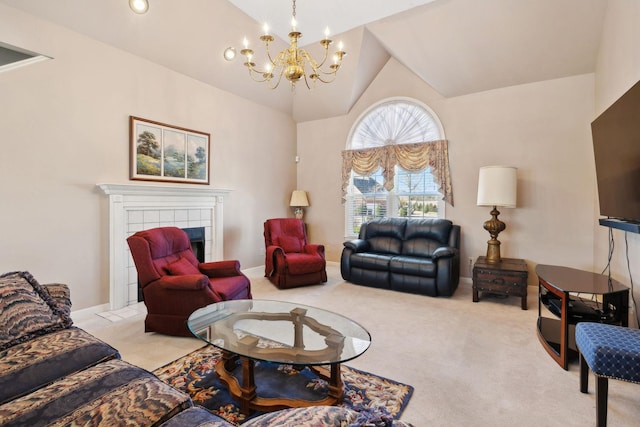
<point x="470" y="265"/>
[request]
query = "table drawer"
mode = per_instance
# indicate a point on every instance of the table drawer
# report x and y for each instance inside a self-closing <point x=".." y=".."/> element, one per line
<point x="507" y="284"/>
<point x="514" y="276"/>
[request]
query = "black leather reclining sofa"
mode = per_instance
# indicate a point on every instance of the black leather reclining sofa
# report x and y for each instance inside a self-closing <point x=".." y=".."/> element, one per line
<point x="419" y="256"/>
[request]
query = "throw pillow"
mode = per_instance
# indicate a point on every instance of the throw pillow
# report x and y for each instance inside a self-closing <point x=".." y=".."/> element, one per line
<point x="27" y="310"/>
<point x="181" y="267"/>
<point x="290" y="243"/>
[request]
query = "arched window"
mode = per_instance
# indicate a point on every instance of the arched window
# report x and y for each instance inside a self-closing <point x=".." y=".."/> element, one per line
<point x="396" y="164"/>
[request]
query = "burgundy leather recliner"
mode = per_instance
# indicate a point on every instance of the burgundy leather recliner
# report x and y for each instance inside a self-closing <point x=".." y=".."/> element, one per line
<point x="174" y="284"/>
<point x="290" y="260"/>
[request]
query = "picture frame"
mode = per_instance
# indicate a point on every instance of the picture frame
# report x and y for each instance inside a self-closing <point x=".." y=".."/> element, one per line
<point x="162" y="152"/>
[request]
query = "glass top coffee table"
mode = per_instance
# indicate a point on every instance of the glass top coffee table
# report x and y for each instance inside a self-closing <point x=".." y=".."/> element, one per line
<point x="279" y="332"/>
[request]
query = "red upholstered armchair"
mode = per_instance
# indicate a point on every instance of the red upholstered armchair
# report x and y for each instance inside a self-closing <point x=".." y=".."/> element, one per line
<point x="175" y="284"/>
<point x="291" y="261"/>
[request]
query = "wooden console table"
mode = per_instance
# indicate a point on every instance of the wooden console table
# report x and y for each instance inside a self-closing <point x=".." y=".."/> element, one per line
<point x="559" y="290"/>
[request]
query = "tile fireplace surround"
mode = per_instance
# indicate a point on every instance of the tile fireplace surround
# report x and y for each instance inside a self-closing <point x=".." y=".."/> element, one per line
<point x="135" y="207"/>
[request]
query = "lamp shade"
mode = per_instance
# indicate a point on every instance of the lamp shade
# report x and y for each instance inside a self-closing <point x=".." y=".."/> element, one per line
<point x="299" y="198"/>
<point x="497" y="186"/>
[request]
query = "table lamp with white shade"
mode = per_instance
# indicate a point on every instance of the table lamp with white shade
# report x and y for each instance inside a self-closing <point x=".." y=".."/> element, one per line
<point x="497" y="188"/>
<point x="298" y="201"/>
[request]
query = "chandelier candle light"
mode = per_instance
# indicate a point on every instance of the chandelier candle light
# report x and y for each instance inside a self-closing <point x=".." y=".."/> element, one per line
<point x="496" y="187"/>
<point x="292" y="62"/>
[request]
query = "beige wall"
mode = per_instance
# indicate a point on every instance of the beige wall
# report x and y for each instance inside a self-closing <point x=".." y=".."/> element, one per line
<point x="540" y="128"/>
<point x="617" y="70"/>
<point x="64" y="128"/>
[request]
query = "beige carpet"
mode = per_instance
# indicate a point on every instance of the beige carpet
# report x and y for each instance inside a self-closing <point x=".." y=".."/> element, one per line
<point x="472" y="364"/>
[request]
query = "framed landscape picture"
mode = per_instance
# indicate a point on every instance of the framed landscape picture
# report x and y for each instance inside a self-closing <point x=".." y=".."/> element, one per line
<point x="160" y="152"/>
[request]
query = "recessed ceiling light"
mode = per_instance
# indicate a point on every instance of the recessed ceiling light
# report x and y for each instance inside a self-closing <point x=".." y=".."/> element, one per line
<point x="229" y="53"/>
<point x="139" y="6"/>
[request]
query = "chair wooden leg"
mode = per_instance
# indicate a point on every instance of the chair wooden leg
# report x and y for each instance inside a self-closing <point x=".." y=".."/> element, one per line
<point x="584" y="375"/>
<point x="602" y="390"/>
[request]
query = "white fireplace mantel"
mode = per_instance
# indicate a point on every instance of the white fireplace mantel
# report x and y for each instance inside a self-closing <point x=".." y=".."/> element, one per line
<point x="135" y="207"/>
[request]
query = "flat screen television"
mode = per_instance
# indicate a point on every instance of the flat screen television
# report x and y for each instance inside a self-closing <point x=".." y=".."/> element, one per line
<point x="616" y="148"/>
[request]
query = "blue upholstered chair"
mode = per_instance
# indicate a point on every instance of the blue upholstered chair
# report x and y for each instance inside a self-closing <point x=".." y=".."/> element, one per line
<point x="610" y="352"/>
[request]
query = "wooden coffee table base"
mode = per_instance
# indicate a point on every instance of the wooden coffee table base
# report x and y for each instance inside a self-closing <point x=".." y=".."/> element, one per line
<point x="249" y="400"/>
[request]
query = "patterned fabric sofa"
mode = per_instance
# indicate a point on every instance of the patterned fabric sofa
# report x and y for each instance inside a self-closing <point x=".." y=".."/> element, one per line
<point x="419" y="256"/>
<point x="55" y="374"/>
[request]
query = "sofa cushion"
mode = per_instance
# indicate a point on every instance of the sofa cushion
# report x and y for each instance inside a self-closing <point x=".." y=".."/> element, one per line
<point x="385" y="245"/>
<point x="289" y="243"/>
<point x="384" y="235"/>
<point x="412" y="265"/>
<point x="230" y="288"/>
<point x="302" y="263"/>
<point x="371" y="261"/>
<point x="430" y="229"/>
<point x="197" y="417"/>
<point x="424" y="236"/>
<point x="26" y="310"/>
<point x="419" y="247"/>
<point x="387" y="227"/>
<point x="314" y="416"/>
<point x="181" y="267"/>
<point x="30" y="365"/>
<point x="113" y="390"/>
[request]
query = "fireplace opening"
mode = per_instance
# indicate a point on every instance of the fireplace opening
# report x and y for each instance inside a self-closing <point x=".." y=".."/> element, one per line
<point x="196" y="236"/>
<point x="197" y="239"/>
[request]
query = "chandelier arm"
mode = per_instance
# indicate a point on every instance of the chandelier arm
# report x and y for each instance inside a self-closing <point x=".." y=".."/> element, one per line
<point x="279" y="79"/>
<point x="326" y="80"/>
<point x="280" y="59"/>
<point x="269" y="53"/>
<point x="252" y="73"/>
<point x="258" y="71"/>
<point x="306" y="81"/>
<point x="312" y="62"/>
<point x="317" y="68"/>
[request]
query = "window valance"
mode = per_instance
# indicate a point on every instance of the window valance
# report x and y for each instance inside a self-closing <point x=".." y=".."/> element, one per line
<point x="410" y="157"/>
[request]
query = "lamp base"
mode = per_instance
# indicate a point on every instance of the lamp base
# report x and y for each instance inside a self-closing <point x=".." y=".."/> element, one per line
<point x="298" y="212"/>
<point x="494" y="226"/>
<point x="493" y="251"/>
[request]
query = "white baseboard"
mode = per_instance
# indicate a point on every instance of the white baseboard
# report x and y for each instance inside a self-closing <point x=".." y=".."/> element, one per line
<point x="90" y="311"/>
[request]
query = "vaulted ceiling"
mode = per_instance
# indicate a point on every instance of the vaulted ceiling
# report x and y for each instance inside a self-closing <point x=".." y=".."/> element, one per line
<point x="456" y="46"/>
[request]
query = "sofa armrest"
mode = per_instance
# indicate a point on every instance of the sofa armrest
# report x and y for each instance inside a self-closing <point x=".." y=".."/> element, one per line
<point x="226" y="268"/>
<point x="189" y="282"/>
<point x="272" y="253"/>
<point x="314" y="249"/>
<point x="444" y="252"/>
<point x="357" y="245"/>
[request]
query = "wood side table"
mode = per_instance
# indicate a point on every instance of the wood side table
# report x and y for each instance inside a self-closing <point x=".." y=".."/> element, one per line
<point x="508" y="277"/>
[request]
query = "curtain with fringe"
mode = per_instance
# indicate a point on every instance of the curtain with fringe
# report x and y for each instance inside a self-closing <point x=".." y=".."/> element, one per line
<point x="410" y="157"/>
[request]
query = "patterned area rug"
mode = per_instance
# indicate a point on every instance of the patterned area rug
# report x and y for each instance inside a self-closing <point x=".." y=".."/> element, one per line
<point x="195" y="375"/>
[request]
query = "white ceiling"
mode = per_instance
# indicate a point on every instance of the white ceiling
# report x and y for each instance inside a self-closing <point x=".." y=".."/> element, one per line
<point x="314" y="17"/>
<point x="456" y="46"/>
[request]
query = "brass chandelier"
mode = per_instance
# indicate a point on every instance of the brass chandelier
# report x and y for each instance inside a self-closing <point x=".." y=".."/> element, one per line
<point x="293" y="63"/>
